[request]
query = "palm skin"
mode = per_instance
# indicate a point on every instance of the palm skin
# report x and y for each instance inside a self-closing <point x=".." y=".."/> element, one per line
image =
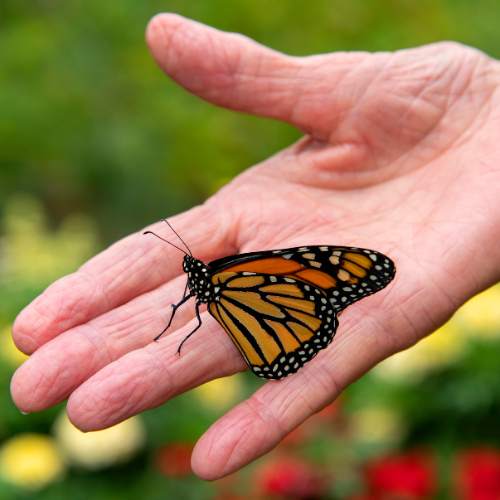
<point x="400" y="155"/>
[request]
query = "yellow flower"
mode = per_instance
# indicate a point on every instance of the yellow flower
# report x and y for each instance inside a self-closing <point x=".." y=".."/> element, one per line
<point x="34" y="256"/>
<point x="31" y="461"/>
<point x="9" y="352"/>
<point x="100" y="449"/>
<point x="377" y="425"/>
<point x="220" y="393"/>
<point x="444" y="347"/>
<point x="480" y="317"/>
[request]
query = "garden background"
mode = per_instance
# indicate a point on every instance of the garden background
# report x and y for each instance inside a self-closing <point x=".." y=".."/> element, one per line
<point x="95" y="143"/>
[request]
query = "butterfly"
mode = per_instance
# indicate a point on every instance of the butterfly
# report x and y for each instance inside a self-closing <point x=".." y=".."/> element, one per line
<point x="281" y="307"/>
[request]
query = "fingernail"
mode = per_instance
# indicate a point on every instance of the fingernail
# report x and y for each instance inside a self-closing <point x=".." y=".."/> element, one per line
<point x="25" y="413"/>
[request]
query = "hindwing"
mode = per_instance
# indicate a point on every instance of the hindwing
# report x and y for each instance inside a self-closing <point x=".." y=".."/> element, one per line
<point x="277" y="322"/>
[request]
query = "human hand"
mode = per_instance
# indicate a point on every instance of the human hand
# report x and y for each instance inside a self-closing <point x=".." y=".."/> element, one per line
<point x="400" y="156"/>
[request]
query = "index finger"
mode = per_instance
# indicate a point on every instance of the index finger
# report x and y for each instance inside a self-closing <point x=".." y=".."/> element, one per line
<point x="128" y="268"/>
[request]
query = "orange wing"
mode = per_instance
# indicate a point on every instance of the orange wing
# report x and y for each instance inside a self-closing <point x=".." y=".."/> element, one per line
<point x="344" y="274"/>
<point x="278" y="323"/>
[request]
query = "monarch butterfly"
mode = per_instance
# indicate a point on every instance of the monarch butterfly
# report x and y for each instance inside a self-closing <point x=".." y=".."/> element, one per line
<point x="280" y="307"/>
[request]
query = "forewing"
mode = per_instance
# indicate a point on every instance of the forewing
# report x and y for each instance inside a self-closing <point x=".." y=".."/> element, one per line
<point x="345" y="274"/>
<point x="278" y="323"/>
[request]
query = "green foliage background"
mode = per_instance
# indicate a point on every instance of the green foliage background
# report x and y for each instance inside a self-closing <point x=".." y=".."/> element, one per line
<point x="88" y="123"/>
<point x="93" y="131"/>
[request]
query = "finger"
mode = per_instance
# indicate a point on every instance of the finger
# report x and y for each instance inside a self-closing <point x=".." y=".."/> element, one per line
<point x="147" y="378"/>
<point x="233" y="71"/>
<point x="256" y="426"/>
<point x="127" y="269"/>
<point x="55" y="370"/>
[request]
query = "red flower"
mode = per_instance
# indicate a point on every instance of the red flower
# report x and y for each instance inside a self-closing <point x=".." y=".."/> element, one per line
<point x="174" y="460"/>
<point x="409" y="476"/>
<point x="477" y="474"/>
<point x="291" y="478"/>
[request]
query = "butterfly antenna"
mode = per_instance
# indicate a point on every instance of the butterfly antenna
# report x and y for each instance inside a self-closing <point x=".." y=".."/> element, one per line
<point x="166" y="241"/>
<point x="165" y="220"/>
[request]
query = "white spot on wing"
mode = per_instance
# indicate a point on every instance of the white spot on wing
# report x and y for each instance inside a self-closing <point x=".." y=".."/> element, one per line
<point x="343" y="275"/>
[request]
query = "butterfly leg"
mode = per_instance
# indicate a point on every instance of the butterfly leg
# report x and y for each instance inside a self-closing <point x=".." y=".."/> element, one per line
<point x="184" y="299"/>
<point x="199" y="324"/>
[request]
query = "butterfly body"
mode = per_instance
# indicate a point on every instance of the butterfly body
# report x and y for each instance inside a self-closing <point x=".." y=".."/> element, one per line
<point x="199" y="279"/>
<point x="280" y="307"/>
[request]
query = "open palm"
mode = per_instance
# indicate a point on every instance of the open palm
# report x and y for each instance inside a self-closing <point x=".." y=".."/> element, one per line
<point x="401" y="155"/>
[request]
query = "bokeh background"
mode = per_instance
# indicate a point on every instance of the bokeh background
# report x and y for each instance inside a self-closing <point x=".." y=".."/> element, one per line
<point x="95" y="143"/>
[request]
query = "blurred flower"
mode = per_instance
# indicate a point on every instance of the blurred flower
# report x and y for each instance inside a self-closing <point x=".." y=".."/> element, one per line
<point x="445" y="346"/>
<point x="221" y="393"/>
<point x="377" y="425"/>
<point x="406" y="476"/>
<point x="174" y="460"/>
<point x="100" y="449"/>
<point x="291" y="478"/>
<point x="477" y="474"/>
<point x="31" y="461"/>
<point x="34" y="256"/>
<point x="9" y="352"/>
<point x="480" y="317"/>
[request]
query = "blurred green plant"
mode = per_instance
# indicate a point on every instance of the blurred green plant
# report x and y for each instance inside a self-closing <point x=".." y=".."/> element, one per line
<point x="33" y="256"/>
<point x="89" y="124"/>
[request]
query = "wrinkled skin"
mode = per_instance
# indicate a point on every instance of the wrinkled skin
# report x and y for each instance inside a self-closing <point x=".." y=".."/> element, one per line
<point x="400" y="154"/>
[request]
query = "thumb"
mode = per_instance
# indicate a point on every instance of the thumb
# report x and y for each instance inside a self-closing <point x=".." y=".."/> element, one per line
<point x="235" y="72"/>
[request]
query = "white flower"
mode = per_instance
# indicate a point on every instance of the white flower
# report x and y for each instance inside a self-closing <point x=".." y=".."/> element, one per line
<point x="100" y="449"/>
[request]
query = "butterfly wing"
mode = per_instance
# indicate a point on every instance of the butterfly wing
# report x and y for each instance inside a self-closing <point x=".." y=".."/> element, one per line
<point x="278" y="323"/>
<point x="344" y="274"/>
